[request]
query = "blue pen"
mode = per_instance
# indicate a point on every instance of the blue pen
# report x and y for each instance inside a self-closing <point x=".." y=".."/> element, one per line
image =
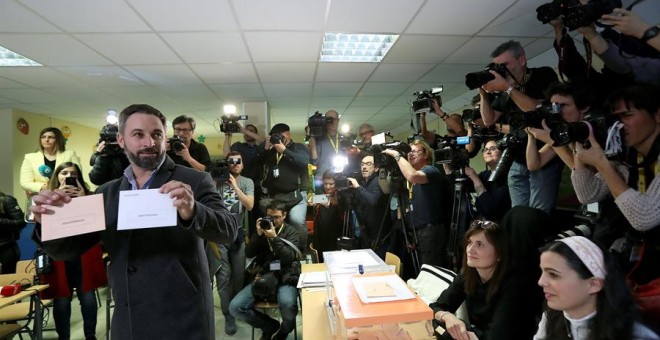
<point x="360" y="269"/>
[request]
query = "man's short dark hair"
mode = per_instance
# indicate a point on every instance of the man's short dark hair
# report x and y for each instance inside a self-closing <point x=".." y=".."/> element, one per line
<point x="233" y="153"/>
<point x="276" y="205"/>
<point x="577" y="89"/>
<point x="139" y="108"/>
<point x="279" y="128"/>
<point x="183" y="119"/>
<point x="253" y="126"/>
<point x="514" y="46"/>
<point x="642" y="97"/>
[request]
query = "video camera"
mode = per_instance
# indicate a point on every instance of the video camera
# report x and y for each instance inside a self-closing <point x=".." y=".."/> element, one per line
<point x="219" y="170"/>
<point x="451" y="150"/>
<point x="230" y="123"/>
<point x="573" y="13"/>
<point x="564" y="133"/>
<point x="477" y="79"/>
<point x="341" y="179"/>
<point x="108" y="135"/>
<point x="382" y="160"/>
<point x="422" y="103"/>
<point x="317" y="124"/>
<point x="176" y="143"/>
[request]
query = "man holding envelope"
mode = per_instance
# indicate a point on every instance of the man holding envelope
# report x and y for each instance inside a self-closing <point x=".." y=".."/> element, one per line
<point x="155" y="237"/>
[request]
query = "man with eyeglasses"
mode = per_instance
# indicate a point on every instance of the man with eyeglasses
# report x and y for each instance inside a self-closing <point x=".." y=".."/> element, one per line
<point x="366" y="132"/>
<point x="272" y="254"/>
<point x="193" y="154"/>
<point x="370" y="205"/>
<point x="229" y="259"/>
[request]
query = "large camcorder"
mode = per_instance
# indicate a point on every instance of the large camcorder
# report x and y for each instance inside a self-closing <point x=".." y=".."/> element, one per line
<point x="384" y="161"/>
<point x="230" y="123"/>
<point x="477" y="79"/>
<point x="108" y="135"/>
<point x="317" y="124"/>
<point x="451" y="150"/>
<point x="573" y="13"/>
<point x="422" y="103"/>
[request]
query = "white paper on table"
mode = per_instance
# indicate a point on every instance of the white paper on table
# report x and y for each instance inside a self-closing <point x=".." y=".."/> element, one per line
<point x="82" y="215"/>
<point x="400" y="288"/>
<point x="139" y="209"/>
<point x="353" y="258"/>
<point x="312" y="279"/>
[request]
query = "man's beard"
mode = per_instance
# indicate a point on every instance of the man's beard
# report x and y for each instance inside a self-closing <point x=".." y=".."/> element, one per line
<point x="148" y="163"/>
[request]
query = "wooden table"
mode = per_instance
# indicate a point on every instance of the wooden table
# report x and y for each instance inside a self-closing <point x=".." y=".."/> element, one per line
<point x="32" y="294"/>
<point x="314" y="316"/>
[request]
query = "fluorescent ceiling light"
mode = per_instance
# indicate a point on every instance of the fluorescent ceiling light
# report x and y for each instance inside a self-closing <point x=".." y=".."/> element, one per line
<point x="356" y="48"/>
<point x="10" y="58"/>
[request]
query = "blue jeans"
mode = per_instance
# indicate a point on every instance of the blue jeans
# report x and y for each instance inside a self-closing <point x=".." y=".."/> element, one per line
<point x="242" y="307"/>
<point x="62" y="314"/>
<point x="229" y="277"/>
<point x="535" y="189"/>
<point x="296" y="217"/>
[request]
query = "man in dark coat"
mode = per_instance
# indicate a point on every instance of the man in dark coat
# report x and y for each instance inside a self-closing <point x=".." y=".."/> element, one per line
<point x="159" y="276"/>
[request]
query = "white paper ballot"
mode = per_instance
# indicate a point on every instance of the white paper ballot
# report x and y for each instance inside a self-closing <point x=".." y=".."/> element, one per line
<point x="80" y="216"/>
<point x="139" y="209"/>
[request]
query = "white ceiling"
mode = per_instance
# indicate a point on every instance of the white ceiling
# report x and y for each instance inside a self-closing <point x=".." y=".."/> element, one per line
<point x="191" y="57"/>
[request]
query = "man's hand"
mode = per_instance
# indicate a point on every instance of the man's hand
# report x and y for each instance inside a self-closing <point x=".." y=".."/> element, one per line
<point x="184" y="200"/>
<point x="100" y="147"/>
<point x="436" y="108"/>
<point x="626" y="22"/>
<point x="499" y="84"/>
<point x="353" y="183"/>
<point x="390" y="152"/>
<point x="184" y="153"/>
<point x="279" y="147"/>
<point x="267" y="144"/>
<point x="540" y="134"/>
<point x="56" y="198"/>
<point x="270" y="233"/>
<point x="470" y="172"/>
<point x="232" y="182"/>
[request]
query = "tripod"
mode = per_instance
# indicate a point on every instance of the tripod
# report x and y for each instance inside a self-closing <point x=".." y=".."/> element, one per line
<point x="460" y="217"/>
<point x="411" y="243"/>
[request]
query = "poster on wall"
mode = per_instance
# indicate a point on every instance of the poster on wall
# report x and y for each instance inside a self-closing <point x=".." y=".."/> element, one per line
<point x="66" y="131"/>
<point x="23" y="126"/>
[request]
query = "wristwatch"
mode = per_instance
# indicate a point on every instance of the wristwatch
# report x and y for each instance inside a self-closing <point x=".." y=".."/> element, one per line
<point x="397" y="157"/>
<point x="509" y="90"/>
<point x="650" y="33"/>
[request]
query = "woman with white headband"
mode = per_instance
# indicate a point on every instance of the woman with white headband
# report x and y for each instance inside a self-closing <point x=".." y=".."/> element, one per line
<point x="586" y="295"/>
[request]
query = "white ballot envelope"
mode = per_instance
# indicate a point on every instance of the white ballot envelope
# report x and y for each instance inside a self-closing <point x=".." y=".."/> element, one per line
<point x="139" y="209"/>
<point x="80" y="216"/>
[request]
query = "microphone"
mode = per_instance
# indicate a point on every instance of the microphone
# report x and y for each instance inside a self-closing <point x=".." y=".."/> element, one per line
<point x="45" y="170"/>
<point x="10" y="290"/>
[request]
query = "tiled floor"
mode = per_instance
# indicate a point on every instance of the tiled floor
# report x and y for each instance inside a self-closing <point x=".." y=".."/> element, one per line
<point x="244" y="330"/>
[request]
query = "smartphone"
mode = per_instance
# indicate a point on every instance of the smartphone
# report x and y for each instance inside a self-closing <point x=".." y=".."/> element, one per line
<point x="71" y="181"/>
<point x="320" y="199"/>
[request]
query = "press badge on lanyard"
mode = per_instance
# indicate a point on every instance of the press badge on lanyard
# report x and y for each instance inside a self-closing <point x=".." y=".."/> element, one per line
<point x="275" y="266"/>
<point x="276" y="172"/>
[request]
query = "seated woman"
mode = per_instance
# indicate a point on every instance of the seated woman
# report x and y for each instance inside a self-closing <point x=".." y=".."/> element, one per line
<point x="497" y="302"/>
<point x="586" y="295"/>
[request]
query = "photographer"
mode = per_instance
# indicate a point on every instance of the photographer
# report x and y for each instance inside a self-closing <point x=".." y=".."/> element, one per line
<point x="371" y="207"/>
<point x="11" y="223"/>
<point x="107" y="164"/>
<point x="521" y="90"/>
<point x="493" y="199"/>
<point x="273" y="258"/>
<point x="429" y="201"/>
<point x="323" y="149"/>
<point x="285" y="167"/>
<point x="187" y="152"/>
<point x="238" y="195"/>
<point x="248" y="150"/>
<point x="366" y="132"/>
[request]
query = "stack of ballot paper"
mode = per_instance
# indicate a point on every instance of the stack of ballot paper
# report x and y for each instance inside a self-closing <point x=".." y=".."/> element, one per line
<point x="312" y="279"/>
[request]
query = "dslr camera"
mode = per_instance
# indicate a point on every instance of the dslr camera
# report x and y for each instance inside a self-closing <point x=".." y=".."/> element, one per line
<point x="573" y="13"/>
<point x="422" y="103"/>
<point x="477" y="79"/>
<point x="219" y="170"/>
<point x="506" y="145"/>
<point x="230" y="123"/>
<point x="550" y="112"/>
<point x="108" y="135"/>
<point x="266" y="223"/>
<point x="564" y="133"/>
<point x="317" y="123"/>
<point x="176" y="143"/>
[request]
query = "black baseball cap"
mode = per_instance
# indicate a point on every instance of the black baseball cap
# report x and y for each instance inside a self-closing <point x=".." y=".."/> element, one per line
<point x="279" y="128"/>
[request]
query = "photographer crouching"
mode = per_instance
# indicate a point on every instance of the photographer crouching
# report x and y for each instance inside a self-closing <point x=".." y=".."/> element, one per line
<point x="275" y="274"/>
<point x="428" y="202"/>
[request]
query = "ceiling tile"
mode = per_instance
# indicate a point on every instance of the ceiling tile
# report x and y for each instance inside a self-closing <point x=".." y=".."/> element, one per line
<point x="400" y="72"/>
<point x="212" y="47"/>
<point x="31" y="96"/>
<point x="345" y="71"/>
<point x="284" y="46"/>
<point x="478" y="50"/>
<point x="187" y="16"/>
<point x="452" y="19"/>
<point x="423" y="48"/>
<point x="145" y="48"/>
<point x="163" y="75"/>
<point x="8" y="84"/>
<point x="451" y="73"/>
<point x="16" y="18"/>
<point x="100" y="76"/>
<point x="239" y="92"/>
<point x="331" y="101"/>
<point x="285" y="72"/>
<point x="297" y="15"/>
<point x="372" y="101"/>
<point x="225" y="73"/>
<point x="52" y="49"/>
<point x="274" y="90"/>
<point x="390" y="89"/>
<point x="188" y="92"/>
<point x="38" y="76"/>
<point x="351" y="16"/>
<point x="336" y="89"/>
<point x="89" y="16"/>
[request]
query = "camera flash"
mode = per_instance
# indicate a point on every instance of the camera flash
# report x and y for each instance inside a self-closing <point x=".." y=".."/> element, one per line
<point x="229" y="109"/>
<point x="345" y="128"/>
<point x="111" y="116"/>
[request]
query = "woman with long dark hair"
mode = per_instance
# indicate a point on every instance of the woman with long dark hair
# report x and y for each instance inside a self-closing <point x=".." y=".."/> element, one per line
<point x="497" y="302"/>
<point x="85" y="273"/>
<point x="586" y="295"/>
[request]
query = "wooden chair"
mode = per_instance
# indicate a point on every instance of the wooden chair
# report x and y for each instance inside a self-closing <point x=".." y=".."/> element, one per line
<point x="265" y="307"/>
<point x="314" y="253"/>
<point x="395" y="261"/>
<point x="26" y="267"/>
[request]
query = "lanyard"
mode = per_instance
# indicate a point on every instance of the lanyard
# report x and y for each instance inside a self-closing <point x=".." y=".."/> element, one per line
<point x="335" y="145"/>
<point x="641" y="179"/>
<point x="276" y="233"/>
